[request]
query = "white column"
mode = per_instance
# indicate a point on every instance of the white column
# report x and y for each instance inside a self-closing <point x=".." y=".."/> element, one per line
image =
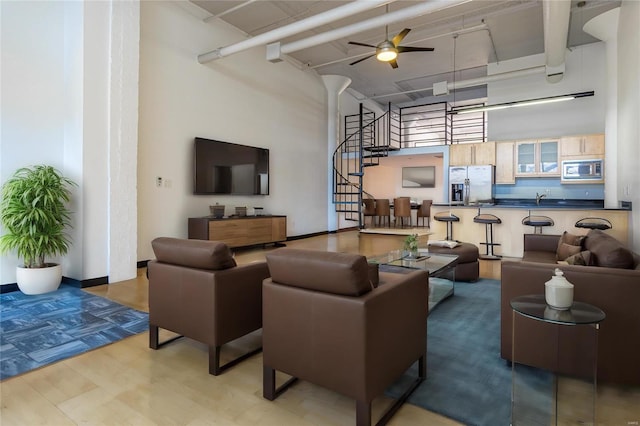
<point x="335" y="85"/>
<point x="605" y="28"/>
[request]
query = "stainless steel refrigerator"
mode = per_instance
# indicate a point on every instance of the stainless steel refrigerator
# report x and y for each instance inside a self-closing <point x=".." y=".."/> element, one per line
<point x="471" y="184"/>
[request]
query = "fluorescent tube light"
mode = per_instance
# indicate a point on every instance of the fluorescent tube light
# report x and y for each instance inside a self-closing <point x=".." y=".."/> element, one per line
<point x="539" y="101"/>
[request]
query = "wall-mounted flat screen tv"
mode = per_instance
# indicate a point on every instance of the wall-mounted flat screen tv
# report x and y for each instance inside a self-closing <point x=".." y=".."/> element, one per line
<point x="228" y="168"/>
<point x="419" y="177"/>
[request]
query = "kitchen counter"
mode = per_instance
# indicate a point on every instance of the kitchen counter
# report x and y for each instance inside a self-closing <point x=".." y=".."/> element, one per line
<point x="510" y="232"/>
<point x="523" y="203"/>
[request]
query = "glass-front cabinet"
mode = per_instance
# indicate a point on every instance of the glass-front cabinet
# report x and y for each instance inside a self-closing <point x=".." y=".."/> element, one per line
<point x="537" y="158"/>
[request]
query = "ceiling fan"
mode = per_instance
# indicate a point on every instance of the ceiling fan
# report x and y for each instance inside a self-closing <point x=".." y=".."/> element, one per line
<point x="388" y="50"/>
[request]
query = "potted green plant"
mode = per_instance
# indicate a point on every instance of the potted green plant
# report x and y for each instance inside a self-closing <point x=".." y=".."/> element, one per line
<point x="411" y="245"/>
<point x="34" y="214"/>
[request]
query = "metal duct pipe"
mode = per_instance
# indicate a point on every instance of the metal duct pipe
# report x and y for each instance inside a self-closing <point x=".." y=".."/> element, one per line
<point x="555" y="17"/>
<point x="388" y="18"/>
<point x="294" y="28"/>
<point x="233" y="9"/>
<point x="472" y="82"/>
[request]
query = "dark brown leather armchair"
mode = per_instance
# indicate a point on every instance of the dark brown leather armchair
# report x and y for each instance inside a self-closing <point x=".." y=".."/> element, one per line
<point x="325" y="323"/>
<point x="197" y="291"/>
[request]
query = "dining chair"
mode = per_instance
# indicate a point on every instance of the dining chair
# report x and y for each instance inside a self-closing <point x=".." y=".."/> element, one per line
<point x="402" y="211"/>
<point x="383" y="211"/>
<point x="424" y="212"/>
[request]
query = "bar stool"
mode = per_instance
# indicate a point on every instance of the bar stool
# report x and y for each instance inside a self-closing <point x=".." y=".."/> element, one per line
<point x="594" y="223"/>
<point x="489" y="220"/>
<point x="449" y="218"/>
<point x="538" y="222"/>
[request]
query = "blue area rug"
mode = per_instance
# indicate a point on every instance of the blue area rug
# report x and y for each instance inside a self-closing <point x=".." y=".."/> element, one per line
<point x="466" y="379"/>
<point x="42" y="329"/>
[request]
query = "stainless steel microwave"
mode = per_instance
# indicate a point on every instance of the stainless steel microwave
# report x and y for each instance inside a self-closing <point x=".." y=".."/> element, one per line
<point x="582" y="170"/>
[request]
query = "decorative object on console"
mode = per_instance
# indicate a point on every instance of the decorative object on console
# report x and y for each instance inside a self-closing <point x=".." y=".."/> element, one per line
<point x="558" y="292"/>
<point x="217" y="211"/>
<point x="241" y="211"/>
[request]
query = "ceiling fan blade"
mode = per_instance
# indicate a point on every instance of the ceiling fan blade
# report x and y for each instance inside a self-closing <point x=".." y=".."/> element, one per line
<point x="414" y="49"/>
<point x="393" y="64"/>
<point x="362" y="59"/>
<point x="361" y="44"/>
<point x="401" y="35"/>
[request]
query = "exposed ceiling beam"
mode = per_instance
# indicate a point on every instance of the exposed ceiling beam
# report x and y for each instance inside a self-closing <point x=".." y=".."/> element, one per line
<point x="379" y="21"/>
<point x="294" y="28"/>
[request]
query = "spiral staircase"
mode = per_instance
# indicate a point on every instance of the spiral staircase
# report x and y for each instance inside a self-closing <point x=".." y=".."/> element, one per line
<point x="372" y="139"/>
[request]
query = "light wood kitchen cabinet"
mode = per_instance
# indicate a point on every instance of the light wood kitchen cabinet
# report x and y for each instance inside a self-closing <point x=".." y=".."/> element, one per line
<point x="467" y="154"/>
<point x="537" y="158"/>
<point x="505" y="160"/>
<point x="582" y="146"/>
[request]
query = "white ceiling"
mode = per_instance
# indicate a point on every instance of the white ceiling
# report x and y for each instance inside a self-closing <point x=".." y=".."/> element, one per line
<point x="487" y="31"/>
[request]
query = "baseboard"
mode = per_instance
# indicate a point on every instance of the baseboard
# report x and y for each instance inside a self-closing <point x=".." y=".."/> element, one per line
<point x="8" y="288"/>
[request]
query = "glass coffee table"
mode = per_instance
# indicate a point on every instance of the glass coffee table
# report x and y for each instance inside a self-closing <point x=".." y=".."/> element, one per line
<point x="435" y="264"/>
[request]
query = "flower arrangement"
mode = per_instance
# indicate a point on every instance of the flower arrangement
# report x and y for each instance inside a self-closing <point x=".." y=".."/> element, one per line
<point x="411" y="244"/>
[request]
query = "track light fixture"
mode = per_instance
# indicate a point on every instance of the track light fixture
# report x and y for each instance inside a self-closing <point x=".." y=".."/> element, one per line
<point x="529" y="102"/>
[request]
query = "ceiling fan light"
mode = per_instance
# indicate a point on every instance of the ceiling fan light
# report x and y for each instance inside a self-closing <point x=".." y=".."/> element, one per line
<point x="386" y="52"/>
<point x="386" y="55"/>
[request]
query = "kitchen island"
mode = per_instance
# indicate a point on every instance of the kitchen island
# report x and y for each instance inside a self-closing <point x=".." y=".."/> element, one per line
<point x="510" y="232"/>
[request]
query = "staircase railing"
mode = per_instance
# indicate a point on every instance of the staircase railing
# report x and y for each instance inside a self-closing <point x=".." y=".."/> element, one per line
<point x="363" y="148"/>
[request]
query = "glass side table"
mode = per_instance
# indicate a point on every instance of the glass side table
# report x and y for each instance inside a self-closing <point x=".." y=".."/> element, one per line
<point x="529" y="409"/>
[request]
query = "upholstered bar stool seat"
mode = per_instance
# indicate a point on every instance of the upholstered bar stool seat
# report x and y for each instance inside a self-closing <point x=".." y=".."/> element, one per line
<point x="449" y="218"/>
<point x="488" y="220"/>
<point x="594" y="223"/>
<point x="538" y="222"/>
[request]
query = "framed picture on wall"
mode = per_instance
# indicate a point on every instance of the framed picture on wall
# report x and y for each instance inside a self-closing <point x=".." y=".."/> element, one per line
<point x="419" y="177"/>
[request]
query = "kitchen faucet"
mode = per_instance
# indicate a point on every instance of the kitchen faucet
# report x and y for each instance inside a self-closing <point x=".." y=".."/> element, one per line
<point x="539" y="197"/>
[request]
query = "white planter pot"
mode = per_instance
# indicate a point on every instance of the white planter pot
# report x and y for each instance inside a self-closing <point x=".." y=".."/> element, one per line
<point x="39" y="280"/>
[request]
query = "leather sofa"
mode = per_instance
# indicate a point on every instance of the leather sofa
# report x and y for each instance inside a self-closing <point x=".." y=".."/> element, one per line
<point x="326" y="323"/>
<point x="562" y="349"/>
<point x="197" y="291"/>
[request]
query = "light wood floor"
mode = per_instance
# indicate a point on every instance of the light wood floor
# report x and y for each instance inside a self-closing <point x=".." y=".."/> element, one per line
<point x="127" y="383"/>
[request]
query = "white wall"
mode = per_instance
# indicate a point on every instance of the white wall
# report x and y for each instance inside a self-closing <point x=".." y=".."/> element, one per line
<point x="385" y="180"/>
<point x="629" y="112"/>
<point x="69" y="79"/>
<point x="585" y="71"/>
<point x="241" y="99"/>
<point x="32" y="91"/>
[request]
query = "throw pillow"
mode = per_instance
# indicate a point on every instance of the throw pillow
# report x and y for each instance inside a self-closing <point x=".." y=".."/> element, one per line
<point x="608" y="251"/>
<point x="582" y="258"/>
<point x="565" y="250"/>
<point x="574" y="240"/>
